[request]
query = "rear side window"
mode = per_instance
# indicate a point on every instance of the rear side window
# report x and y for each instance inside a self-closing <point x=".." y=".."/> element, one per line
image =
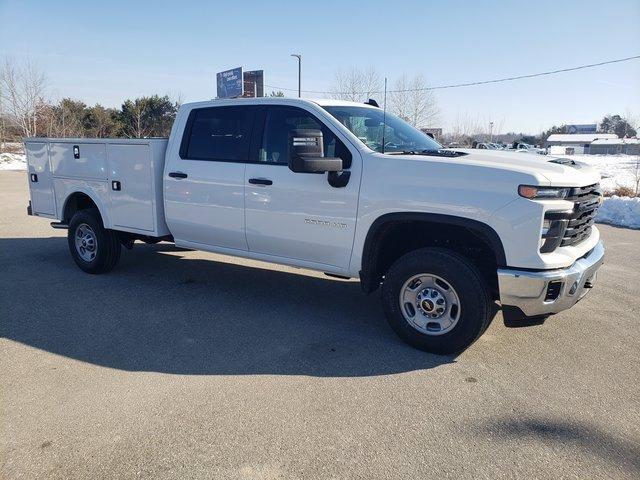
<point x="220" y="133"/>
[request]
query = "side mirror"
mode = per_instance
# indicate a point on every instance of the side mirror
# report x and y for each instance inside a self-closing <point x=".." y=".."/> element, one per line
<point x="306" y="153"/>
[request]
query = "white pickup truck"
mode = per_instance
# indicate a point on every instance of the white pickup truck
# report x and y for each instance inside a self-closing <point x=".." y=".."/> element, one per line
<point x="340" y="188"/>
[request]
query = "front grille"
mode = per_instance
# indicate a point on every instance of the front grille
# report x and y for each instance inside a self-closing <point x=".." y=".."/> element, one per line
<point x="587" y="201"/>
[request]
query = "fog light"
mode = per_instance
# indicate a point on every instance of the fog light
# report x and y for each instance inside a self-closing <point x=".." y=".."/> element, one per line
<point x="573" y="288"/>
<point x="553" y="291"/>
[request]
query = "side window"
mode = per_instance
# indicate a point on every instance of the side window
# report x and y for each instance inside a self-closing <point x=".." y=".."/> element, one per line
<point x="280" y="120"/>
<point x="220" y="133"/>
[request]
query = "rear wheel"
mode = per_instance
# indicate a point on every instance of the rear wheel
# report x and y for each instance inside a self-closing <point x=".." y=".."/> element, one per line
<point x="436" y="300"/>
<point x="93" y="248"/>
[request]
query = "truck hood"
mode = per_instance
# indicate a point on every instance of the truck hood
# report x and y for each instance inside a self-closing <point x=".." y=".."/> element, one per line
<point x="555" y="171"/>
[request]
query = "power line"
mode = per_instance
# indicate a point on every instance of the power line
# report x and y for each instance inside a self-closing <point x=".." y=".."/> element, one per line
<point x="470" y="84"/>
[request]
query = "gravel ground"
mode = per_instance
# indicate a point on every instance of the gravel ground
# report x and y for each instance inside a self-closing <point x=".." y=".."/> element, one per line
<point x="192" y="365"/>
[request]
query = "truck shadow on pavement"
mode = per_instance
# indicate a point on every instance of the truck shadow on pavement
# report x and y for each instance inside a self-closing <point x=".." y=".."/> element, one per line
<point x="162" y="311"/>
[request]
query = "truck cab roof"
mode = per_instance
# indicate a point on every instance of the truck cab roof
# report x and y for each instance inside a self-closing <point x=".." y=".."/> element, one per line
<point x="323" y="102"/>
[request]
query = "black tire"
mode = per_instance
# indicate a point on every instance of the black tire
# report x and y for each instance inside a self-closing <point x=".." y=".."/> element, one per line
<point x="466" y="280"/>
<point x="108" y="244"/>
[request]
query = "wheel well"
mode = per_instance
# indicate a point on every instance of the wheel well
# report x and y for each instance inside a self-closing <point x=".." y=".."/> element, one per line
<point x="75" y="202"/>
<point x="390" y="240"/>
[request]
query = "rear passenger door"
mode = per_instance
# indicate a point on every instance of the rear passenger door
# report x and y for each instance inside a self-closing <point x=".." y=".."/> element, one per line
<point x="204" y="183"/>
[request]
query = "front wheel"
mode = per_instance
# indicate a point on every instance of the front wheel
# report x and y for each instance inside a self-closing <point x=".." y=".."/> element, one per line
<point x="94" y="248"/>
<point x="436" y="300"/>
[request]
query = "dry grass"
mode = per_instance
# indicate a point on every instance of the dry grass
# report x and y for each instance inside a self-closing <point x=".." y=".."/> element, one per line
<point x="621" y="192"/>
<point x="12" y="147"/>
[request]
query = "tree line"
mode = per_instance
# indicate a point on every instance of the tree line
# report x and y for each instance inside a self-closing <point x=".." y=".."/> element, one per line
<point x="26" y="111"/>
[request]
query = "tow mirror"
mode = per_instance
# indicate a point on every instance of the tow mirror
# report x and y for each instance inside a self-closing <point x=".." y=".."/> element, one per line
<point x="306" y="153"/>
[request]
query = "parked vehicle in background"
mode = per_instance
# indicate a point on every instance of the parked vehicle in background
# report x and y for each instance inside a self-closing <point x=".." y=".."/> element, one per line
<point x="340" y="188"/>
<point x="484" y="146"/>
<point x="526" y="148"/>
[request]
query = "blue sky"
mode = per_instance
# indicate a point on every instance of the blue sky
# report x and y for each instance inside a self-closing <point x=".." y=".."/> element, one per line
<point x="108" y="51"/>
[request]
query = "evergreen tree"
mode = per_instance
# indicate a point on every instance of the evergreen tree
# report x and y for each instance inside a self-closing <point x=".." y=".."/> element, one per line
<point x="147" y="116"/>
<point x="618" y="125"/>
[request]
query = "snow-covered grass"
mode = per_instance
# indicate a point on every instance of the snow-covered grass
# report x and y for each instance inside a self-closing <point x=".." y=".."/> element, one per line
<point x="620" y="211"/>
<point x="13" y="161"/>
<point x="12" y="156"/>
<point x="616" y="170"/>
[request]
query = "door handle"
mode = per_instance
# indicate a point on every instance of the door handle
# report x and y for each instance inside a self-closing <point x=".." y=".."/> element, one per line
<point x="34" y="177"/>
<point x="260" y="181"/>
<point x="178" y="175"/>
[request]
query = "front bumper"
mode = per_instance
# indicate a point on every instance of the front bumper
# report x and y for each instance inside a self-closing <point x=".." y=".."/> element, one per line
<point x="532" y="294"/>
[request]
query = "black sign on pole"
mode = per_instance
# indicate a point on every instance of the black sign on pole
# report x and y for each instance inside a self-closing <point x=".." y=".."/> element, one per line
<point x="253" y="83"/>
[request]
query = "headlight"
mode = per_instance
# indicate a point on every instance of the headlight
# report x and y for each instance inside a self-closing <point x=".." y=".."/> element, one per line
<point x="531" y="192"/>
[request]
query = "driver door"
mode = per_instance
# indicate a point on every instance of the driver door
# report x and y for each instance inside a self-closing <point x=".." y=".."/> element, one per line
<point x="299" y="215"/>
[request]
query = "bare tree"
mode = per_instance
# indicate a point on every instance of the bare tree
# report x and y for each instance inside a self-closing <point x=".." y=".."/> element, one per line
<point x="413" y="102"/>
<point x="137" y="127"/>
<point x="22" y="89"/>
<point x="465" y="128"/>
<point x="356" y="85"/>
<point x="632" y="120"/>
<point x="636" y="177"/>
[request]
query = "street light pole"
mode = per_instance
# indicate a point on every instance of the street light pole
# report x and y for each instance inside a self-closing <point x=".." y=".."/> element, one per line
<point x="299" y="57"/>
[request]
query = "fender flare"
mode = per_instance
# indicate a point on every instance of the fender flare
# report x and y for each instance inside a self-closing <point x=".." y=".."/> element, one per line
<point x="106" y="221"/>
<point x="368" y="276"/>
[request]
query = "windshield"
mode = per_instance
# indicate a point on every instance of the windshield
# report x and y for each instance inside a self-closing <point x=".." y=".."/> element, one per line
<point x="366" y="124"/>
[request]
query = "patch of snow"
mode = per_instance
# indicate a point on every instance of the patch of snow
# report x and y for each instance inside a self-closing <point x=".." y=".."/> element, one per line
<point x="620" y="211"/>
<point x="13" y="161"/>
<point x="616" y="170"/>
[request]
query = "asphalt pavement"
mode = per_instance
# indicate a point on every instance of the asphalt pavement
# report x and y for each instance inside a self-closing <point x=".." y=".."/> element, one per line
<point x="183" y="364"/>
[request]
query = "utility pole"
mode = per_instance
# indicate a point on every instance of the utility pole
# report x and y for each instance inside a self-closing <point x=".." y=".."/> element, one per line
<point x="490" y="132"/>
<point x="299" y="57"/>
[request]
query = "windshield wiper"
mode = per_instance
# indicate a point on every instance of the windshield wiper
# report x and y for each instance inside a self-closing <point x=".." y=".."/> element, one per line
<point x="429" y="152"/>
<point x="443" y="152"/>
<point x="406" y="152"/>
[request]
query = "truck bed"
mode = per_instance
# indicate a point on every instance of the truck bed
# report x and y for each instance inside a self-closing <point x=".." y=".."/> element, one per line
<point x="122" y="176"/>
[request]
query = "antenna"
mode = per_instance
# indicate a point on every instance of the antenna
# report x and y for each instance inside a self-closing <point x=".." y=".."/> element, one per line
<point x="384" y="113"/>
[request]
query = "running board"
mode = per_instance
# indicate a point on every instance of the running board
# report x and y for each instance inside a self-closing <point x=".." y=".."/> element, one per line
<point x="335" y="275"/>
<point x="59" y="225"/>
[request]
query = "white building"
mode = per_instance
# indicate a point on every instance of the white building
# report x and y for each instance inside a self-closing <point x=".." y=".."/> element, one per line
<point x="569" y="143"/>
<point x="614" y="146"/>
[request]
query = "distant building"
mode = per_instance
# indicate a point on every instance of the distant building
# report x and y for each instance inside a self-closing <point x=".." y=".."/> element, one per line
<point x="567" y="143"/>
<point x="433" y="132"/>
<point x="614" y="146"/>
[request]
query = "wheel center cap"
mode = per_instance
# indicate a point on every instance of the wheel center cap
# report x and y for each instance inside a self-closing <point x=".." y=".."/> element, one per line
<point x="427" y="305"/>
